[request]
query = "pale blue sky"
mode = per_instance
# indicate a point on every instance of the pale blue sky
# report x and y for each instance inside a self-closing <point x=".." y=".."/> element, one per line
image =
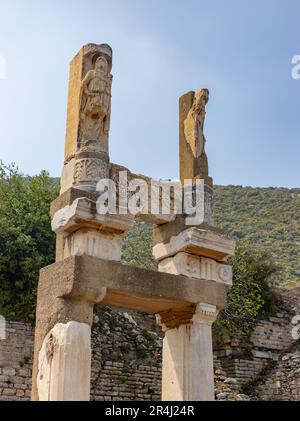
<point x="241" y="50"/>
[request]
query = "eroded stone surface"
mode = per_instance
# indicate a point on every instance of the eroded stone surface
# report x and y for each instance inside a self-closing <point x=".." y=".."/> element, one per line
<point x="193" y="159"/>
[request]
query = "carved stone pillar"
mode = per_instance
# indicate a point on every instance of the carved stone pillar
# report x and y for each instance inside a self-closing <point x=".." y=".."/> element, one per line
<point x="88" y="118"/>
<point x="61" y="369"/>
<point x="187" y="369"/>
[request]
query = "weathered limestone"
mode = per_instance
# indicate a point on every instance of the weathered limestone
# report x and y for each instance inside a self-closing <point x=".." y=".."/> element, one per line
<point x="187" y="370"/>
<point x="151" y="215"/>
<point x="193" y="159"/>
<point x="65" y="363"/>
<point x="2" y="328"/>
<point x="95" y="280"/>
<point x="193" y="163"/>
<point x="187" y="373"/>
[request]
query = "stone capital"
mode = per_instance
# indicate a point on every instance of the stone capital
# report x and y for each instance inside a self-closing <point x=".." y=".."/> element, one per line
<point x="201" y="313"/>
<point x="205" y="314"/>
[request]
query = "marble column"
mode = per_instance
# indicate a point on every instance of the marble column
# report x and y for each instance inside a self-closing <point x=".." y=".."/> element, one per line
<point x="187" y="370"/>
<point x="64" y="363"/>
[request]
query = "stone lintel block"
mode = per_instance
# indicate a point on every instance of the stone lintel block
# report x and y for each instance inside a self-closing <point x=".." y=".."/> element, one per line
<point x="112" y="283"/>
<point x="68" y="197"/>
<point x="82" y="213"/>
<point x="198" y="241"/>
<point x="263" y="354"/>
<point x="197" y="267"/>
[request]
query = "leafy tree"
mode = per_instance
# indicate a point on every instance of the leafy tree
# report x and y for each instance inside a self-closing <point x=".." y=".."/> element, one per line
<point x="251" y="296"/>
<point x="137" y="247"/>
<point x="26" y="240"/>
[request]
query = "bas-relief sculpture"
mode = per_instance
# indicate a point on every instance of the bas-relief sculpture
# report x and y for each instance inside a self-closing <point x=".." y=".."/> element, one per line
<point x="95" y="107"/>
<point x="194" y="129"/>
<point x="94" y="123"/>
<point x="88" y="118"/>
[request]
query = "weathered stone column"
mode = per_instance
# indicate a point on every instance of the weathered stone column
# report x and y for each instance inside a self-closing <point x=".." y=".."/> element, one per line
<point x="196" y="251"/>
<point x="187" y="346"/>
<point x="187" y="373"/>
<point x="62" y="356"/>
<point x="65" y="363"/>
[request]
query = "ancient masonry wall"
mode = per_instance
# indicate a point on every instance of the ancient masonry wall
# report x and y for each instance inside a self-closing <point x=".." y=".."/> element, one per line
<point x="268" y="341"/>
<point x="15" y="362"/>
<point x="284" y="380"/>
<point x="126" y="361"/>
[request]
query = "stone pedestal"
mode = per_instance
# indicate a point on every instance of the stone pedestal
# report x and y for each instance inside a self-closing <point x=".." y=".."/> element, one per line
<point x="187" y="373"/>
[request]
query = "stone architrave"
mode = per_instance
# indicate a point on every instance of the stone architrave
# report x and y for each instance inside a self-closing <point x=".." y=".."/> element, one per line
<point x="68" y="290"/>
<point x="197" y="267"/>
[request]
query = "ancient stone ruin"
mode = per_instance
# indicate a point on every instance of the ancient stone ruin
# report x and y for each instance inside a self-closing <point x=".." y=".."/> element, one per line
<point x="186" y="293"/>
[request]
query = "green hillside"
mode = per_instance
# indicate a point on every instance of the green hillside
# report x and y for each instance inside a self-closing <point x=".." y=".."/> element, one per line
<point x="267" y="218"/>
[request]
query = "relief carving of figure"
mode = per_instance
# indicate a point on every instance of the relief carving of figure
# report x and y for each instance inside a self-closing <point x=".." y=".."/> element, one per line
<point x="194" y="129"/>
<point x="95" y="104"/>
